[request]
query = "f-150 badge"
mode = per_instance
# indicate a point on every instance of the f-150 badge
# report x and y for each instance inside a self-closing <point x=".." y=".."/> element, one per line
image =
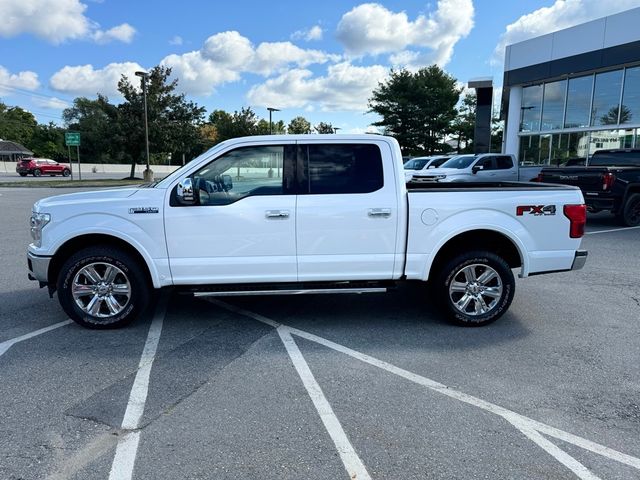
<point x="144" y="210"/>
<point x="536" y="210"/>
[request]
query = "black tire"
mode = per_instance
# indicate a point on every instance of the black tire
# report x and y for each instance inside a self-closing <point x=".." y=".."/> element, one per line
<point x="501" y="288"/>
<point x="22" y="174"/>
<point x="133" y="303"/>
<point x="66" y="172"/>
<point x="630" y="214"/>
<point x="37" y="172"/>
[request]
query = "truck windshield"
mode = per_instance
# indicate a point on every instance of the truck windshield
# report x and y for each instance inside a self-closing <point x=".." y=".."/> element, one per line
<point x="416" y="164"/>
<point x="461" y="161"/>
<point x="622" y="159"/>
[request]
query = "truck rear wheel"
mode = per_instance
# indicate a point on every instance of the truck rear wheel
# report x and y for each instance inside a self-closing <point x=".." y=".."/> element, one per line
<point x="630" y="214"/>
<point x="103" y="287"/>
<point x="475" y="288"/>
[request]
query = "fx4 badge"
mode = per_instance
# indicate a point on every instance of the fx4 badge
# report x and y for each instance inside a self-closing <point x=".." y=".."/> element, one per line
<point x="536" y="210"/>
<point x="144" y="210"/>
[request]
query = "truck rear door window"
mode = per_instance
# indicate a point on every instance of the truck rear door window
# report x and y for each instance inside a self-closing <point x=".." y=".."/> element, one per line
<point x="342" y="168"/>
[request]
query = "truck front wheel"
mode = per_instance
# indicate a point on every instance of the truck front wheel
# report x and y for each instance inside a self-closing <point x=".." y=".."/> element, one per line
<point x="475" y="288"/>
<point x="103" y="287"/>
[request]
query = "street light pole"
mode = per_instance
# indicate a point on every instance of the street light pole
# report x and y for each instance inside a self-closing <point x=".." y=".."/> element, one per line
<point x="144" y="76"/>
<point x="271" y="110"/>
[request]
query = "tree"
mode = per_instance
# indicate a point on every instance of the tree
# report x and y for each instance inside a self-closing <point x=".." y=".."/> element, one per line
<point x="48" y="142"/>
<point x="173" y="121"/>
<point x="98" y="123"/>
<point x="463" y="126"/>
<point x="17" y="124"/>
<point x="323" y="127"/>
<point x="417" y="108"/>
<point x="299" y="125"/>
<point x="611" y="117"/>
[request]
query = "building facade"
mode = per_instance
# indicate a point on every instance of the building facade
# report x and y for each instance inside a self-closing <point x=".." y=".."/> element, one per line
<point x="572" y="92"/>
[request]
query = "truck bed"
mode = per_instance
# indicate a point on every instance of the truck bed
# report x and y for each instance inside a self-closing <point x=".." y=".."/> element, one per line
<point x="465" y="186"/>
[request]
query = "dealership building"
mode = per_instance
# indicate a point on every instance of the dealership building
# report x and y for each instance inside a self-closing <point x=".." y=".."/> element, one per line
<point x="572" y="92"/>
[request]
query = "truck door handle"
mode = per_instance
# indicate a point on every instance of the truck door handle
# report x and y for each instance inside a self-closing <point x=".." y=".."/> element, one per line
<point x="380" y="212"/>
<point x="276" y="214"/>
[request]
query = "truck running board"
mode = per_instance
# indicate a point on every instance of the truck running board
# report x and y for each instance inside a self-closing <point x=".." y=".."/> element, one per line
<point x="315" y="291"/>
<point x="311" y="288"/>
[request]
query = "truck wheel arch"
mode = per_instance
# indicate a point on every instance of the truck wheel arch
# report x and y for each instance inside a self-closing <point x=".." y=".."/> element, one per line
<point x="71" y="246"/>
<point x="484" y="239"/>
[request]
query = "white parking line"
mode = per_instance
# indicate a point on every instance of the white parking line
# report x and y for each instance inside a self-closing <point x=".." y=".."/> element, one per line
<point x="350" y="459"/>
<point x="529" y="427"/>
<point x="125" y="457"/>
<point x="611" y="230"/>
<point x="7" y="344"/>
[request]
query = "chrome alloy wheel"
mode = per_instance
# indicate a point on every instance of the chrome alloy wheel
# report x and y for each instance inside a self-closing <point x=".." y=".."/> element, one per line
<point x="475" y="289"/>
<point x="101" y="289"/>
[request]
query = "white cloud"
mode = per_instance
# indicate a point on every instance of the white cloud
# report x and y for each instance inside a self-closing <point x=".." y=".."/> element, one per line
<point x="86" y="80"/>
<point x="52" y="103"/>
<point x="198" y="75"/>
<point x="176" y="40"/>
<point x="26" y="80"/>
<point x="562" y="14"/>
<point x="311" y="34"/>
<point x="226" y="55"/>
<point x="55" y="21"/>
<point x="345" y="87"/>
<point x="370" y="28"/>
<point x="123" y="33"/>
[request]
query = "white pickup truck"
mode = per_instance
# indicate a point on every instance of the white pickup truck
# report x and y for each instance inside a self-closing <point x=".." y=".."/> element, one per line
<point x="294" y="214"/>
<point x="483" y="167"/>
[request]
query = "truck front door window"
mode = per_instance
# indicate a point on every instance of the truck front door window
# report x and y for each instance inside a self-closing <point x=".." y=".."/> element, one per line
<point x="241" y="173"/>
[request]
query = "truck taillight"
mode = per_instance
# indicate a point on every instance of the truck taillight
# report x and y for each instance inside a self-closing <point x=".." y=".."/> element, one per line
<point x="608" y="180"/>
<point x="539" y="178"/>
<point x="577" y="215"/>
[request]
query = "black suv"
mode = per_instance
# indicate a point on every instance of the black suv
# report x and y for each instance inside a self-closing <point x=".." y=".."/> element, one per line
<point x="610" y="181"/>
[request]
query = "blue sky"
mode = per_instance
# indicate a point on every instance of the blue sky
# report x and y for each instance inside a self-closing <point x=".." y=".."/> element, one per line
<point x="318" y="59"/>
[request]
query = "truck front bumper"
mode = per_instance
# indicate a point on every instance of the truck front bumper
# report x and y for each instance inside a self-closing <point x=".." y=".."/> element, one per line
<point x="38" y="268"/>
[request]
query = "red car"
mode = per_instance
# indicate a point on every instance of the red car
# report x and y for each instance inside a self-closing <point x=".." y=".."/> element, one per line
<point x="42" y="166"/>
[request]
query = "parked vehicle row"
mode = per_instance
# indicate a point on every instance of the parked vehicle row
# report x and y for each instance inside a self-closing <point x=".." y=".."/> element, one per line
<point x="337" y="217"/>
<point x="42" y="166"/>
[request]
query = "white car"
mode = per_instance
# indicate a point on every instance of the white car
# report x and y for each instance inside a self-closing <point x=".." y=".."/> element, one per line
<point x="488" y="167"/>
<point x="422" y="163"/>
<point x="296" y="214"/>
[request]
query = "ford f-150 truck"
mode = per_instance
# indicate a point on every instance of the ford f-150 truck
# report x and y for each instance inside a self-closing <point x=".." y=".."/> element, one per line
<point x="610" y="181"/>
<point x="294" y="214"/>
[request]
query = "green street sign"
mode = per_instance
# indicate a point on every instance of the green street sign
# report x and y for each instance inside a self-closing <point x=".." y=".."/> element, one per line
<point x="72" y="139"/>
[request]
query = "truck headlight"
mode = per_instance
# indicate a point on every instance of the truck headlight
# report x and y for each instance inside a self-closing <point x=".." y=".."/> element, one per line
<point x="439" y="178"/>
<point x="38" y="221"/>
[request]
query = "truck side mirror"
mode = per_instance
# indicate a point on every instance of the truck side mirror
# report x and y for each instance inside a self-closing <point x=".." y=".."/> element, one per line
<point x="184" y="192"/>
<point x="476" y="168"/>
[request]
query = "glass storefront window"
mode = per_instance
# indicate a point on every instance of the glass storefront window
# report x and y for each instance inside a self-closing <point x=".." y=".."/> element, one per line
<point x="529" y="150"/>
<point x="531" y="105"/>
<point x="606" y="98"/>
<point x="578" y="102"/>
<point x="630" y="112"/>
<point x="553" y="105"/>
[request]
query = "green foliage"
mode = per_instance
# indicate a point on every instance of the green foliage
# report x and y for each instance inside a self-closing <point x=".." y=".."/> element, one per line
<point x="323" y="127"/>
<point x="299" y="125"/>
<point x="48" y="142"/>
<point x="417" y="108"/>
<point x="241" y="124"/>
<point x="17" y="125"/>
<point x="173" y="121"/>
<point x="464" y="124"/>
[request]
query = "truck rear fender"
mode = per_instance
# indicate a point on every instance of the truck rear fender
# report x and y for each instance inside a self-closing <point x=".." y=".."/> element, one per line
<point x="475" y="229"/>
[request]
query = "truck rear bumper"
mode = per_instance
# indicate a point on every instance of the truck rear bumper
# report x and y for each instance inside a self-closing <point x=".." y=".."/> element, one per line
<point x="579" y="259"/>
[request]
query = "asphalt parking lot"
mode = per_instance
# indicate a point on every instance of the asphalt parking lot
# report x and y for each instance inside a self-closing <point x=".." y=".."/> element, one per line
<point x="326" y="387"/>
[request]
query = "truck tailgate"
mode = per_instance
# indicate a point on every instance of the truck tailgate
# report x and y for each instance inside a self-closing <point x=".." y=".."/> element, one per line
<point x="587" y="178"/>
